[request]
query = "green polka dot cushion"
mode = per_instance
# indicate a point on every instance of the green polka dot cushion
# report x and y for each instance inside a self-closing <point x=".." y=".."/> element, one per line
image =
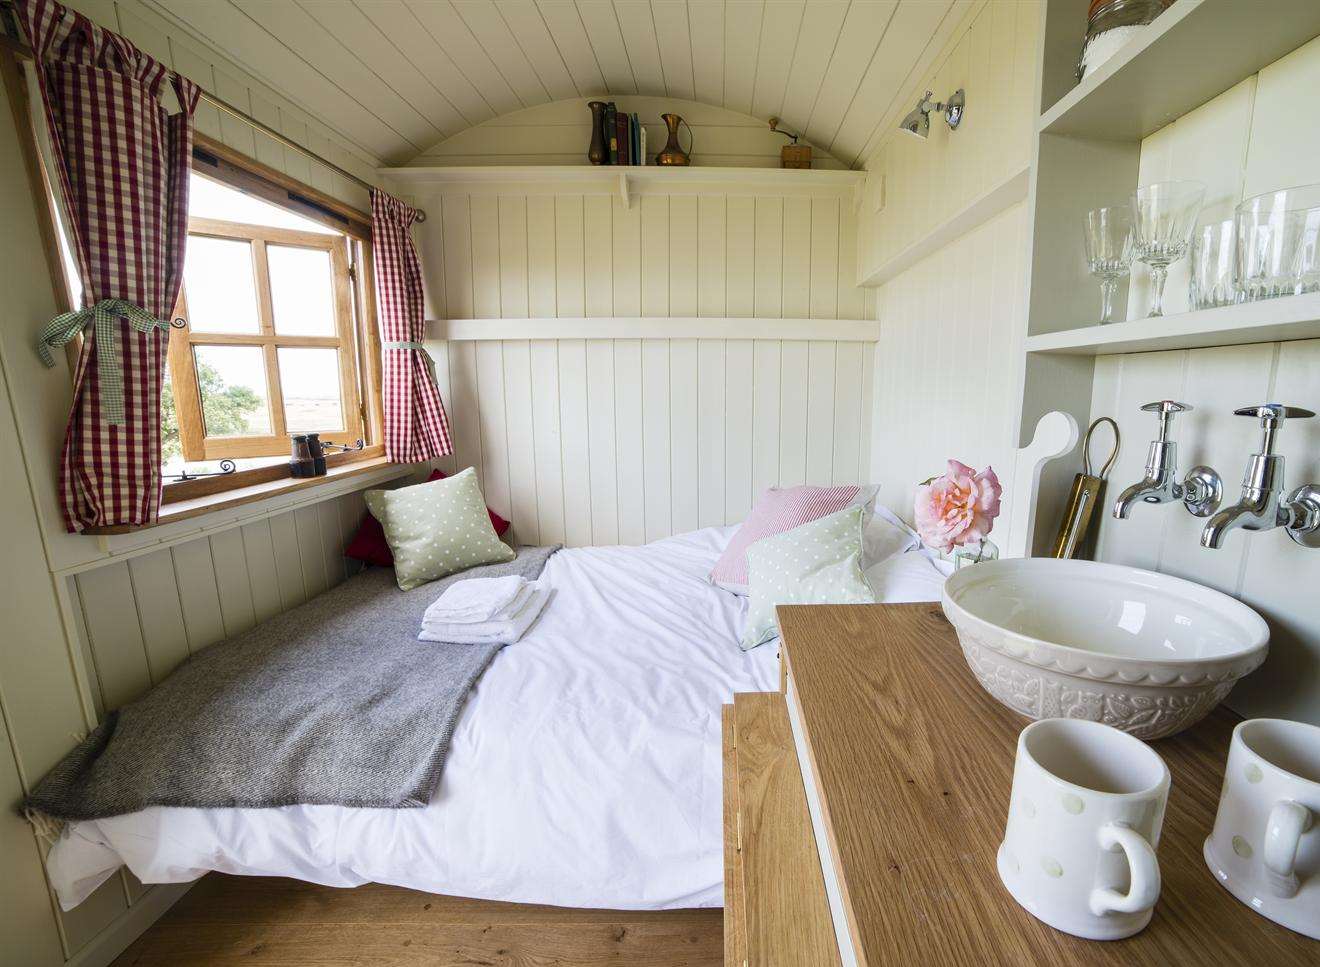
<point x="437" y="528"/>
<point x="817" y="563"/>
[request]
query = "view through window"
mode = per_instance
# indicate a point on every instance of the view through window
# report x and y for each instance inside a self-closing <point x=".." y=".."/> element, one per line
<point x="269" y="345"/>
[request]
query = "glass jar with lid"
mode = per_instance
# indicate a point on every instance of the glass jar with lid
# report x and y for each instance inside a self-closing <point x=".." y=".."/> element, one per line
<point x="1112" y="23"/>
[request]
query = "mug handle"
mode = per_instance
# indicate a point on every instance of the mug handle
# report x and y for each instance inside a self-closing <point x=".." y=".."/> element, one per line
<point x="1283" y="834"/>
<point x="1144" y="873"/>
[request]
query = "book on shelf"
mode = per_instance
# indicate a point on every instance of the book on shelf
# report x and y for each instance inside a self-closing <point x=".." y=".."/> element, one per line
<point x="621" y="122"/>
<point x="625" y="137"/>
<point x="611" y="133"/>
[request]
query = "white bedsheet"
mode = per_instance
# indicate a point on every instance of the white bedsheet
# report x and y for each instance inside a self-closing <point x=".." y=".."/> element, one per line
<point x="584" y="770"/>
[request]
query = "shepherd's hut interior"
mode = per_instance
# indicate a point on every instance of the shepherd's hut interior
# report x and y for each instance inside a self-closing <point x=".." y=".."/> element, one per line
<point x="664" y="483"/>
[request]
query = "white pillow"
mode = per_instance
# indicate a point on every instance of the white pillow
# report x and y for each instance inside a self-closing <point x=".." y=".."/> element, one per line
<point x="908" y="577"/>
<point x="886" y="536"/>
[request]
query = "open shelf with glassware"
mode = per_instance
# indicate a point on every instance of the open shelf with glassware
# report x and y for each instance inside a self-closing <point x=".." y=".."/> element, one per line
<point x="1270" y="320"/>
<point x="1088" y="154"/>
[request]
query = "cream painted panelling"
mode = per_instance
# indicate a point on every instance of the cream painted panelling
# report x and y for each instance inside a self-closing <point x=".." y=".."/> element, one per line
<point x="560" y="133"/>
<point x="516" y="251"/>
<point x="946" y="363"/>
<point x="946" y="366"/>
<point x="912" y="185"/>
<point x="404" y="75"/>
<point x="623" y="441"/>
<point x="143" y="616"/>
<point x="1242" y="143"/>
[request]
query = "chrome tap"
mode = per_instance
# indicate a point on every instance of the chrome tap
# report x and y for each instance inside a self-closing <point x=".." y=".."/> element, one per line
<point x="1199" y="492"/>
<point x="1263" y="505"/>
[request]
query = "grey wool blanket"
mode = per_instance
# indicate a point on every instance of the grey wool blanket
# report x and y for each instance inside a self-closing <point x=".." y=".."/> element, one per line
<point x="334" y="702"/>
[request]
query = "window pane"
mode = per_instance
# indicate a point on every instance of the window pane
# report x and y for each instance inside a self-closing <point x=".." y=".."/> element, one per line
<point x="171" y="445"/>
<point x="301" y="291"/>
<point x="309" y="379"/>
<point x="222" y="296"/>
<point x="211" y="199"/>
<point x="232" y="381"/>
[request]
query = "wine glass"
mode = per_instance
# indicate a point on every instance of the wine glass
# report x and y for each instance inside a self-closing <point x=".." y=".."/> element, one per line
<point x="1163" y="217"/>
<point x="1108" y="252"/>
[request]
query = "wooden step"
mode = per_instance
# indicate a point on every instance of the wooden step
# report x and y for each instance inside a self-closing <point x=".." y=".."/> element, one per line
<point x="787" y="917"/>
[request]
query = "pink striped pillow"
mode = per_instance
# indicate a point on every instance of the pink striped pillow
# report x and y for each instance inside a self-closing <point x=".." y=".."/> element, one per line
<point x="778" y="511"/>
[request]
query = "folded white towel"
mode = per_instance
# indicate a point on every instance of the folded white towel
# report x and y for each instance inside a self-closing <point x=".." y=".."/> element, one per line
<point x="505" y="631"/>
<point x="478" y="599"/>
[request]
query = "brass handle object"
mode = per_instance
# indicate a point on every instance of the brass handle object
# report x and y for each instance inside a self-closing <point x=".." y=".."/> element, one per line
<point x="1087" y="490"/>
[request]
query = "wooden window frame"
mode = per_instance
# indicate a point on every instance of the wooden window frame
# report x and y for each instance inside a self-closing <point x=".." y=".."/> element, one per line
<point x="197" y="444"/>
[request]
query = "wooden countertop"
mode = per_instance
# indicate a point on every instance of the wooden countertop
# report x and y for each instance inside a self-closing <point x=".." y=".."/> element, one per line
<point x="913" y="763"/>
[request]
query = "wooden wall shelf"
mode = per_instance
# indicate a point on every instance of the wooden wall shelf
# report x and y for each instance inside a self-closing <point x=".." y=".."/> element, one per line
<point x="625" y="180"/>
<point x="653" y="327"/>
<point x="1193" y="52"/>
<point x="1271" y="320"/>
<point x="605" y="174"/>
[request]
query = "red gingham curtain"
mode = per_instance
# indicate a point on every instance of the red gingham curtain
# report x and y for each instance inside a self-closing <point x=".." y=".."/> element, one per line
<point x="123" y="160"/>
<point x="416" y="425"/>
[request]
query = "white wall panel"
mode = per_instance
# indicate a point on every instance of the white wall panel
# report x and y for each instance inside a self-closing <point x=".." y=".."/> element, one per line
<point x="629" y="440"/>
<point x="710" y="432"/>
<point x="914" y="185"/>
<point x="620" y="439"/>
<point x="629" y="407"/>
<point x="601" y="440"/>
<point x="944" y="365"/>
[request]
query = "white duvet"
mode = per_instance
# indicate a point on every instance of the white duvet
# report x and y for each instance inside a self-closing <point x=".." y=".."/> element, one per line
<point x="584" y="770"/>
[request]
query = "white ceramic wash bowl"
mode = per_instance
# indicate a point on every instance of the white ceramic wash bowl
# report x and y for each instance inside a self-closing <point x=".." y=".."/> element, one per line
<point x="1143" y="652"/>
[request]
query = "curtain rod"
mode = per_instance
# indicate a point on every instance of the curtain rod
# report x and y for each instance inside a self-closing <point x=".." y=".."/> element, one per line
<point x="23" y="50"/>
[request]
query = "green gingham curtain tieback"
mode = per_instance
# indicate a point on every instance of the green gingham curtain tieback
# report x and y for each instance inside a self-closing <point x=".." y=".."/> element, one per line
<point x="105" y="316"/>
<point x="404" y="345"/>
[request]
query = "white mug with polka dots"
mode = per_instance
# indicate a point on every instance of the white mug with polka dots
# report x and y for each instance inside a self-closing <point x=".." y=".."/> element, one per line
<point x="1265" y="847"/>
<point x="1083" y="825"/>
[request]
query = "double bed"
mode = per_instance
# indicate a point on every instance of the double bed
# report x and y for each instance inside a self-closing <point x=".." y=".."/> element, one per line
<point x="584" y="770"/>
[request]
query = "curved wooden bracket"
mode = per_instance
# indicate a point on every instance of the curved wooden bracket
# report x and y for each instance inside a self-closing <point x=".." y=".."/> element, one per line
<point x="1056" y="435"/>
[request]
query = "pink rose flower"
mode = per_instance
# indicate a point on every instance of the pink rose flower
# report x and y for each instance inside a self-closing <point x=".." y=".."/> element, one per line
<point x="958" y="508"/>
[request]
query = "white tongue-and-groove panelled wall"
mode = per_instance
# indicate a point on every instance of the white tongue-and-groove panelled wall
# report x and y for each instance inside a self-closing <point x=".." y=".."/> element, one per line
<point x="687" y="400"/>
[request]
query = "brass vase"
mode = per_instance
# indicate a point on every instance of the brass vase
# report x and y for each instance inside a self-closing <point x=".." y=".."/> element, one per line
<point x="596" y="153"/>
<point x="673" y="153"/>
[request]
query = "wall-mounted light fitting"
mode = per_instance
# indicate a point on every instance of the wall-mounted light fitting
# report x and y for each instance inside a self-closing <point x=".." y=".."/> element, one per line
<point x="917" y="122"/>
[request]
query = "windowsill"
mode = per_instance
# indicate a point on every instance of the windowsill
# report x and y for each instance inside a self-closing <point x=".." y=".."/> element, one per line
<point x="195" y="507"/>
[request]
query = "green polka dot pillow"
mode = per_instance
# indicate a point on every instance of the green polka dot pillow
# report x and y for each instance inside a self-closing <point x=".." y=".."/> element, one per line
<point x="817" y="563"/>
<point x="437" y="528"/>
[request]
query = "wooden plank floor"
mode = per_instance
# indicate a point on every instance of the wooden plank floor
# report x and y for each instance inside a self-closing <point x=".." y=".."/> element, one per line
<point x="230" y="920"/>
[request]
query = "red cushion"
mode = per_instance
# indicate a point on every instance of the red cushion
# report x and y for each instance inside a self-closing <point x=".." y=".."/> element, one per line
<point x="369" y="544"/>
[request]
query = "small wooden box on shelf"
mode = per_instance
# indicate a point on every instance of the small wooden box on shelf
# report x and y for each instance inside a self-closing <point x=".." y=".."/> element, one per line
<point x="905" y="766"/>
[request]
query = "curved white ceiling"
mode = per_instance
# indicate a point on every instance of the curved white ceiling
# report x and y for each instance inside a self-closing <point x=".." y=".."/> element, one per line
<point x="394" y="77"/>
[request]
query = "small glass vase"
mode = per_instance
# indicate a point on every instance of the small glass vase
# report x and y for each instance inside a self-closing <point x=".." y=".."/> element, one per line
<point x="974" y="554"/>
